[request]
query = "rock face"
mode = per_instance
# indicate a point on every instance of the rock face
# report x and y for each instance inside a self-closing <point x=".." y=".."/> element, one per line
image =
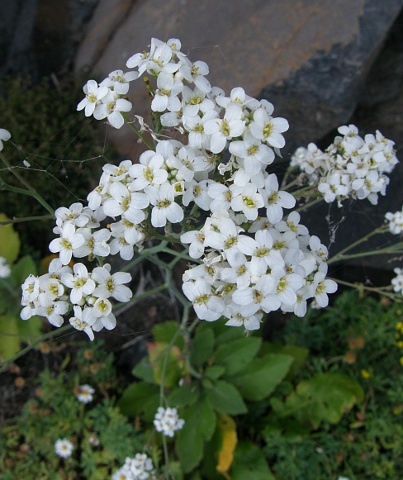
<point x="39" y="37"/>
<point x="309" y="57"/>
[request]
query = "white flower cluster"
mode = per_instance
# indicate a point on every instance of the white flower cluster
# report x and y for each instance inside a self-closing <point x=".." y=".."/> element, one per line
<point x="89" y="293"/>
<point x="106" y="99"/>
<point x="395" y="221"/>
<point x="138" y="468"/>
<point x="63" y="448"/>
<point x="4" y="136"/>
<point x="279" y="267"/>
<point x="250" y="264"/>
<point x="85" y="393"/>
<point x="167" y="421"/>
<point x="5" y="270"/>
<point x="397" y="282"/>
<point x="351" y="167"/>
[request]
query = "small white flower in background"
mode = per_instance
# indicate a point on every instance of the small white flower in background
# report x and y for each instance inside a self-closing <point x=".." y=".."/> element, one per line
<point x="397" y="282"/>
<point x="140" y="467"/>
<point x="63" y="448"/>
<point x="343" y="478"/>
<point x="167" y="421"/>
<point x="395" y="221"/>
<point x="5" y="270"/>
<point x="4" y="136"/>
<point x="84" y="393"/>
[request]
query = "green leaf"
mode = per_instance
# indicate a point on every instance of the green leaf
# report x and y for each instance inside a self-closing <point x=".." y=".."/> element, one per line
<point x="185" y="395"/>
<point x="22" y="269"/>
<point x="299" y="355"/>
<point x="225" y="398"/>
<point x="9" y="339"/>
<point x="258" y="380"/>
<point x="144" y="370"/>
<point x="249" y="463"/>
<point x="235" y="355"/>
<point x="140" y="399"/>
<point x="9" y="241"/>
<point x="202" y="347"/>
<point x="200" y="424"/>
<point x="325" y="397"/>
<point x="214" y="372"/>
<point x="167" y="363"/>
<point x="30" y="329"/>
<point x="165" y="332"/>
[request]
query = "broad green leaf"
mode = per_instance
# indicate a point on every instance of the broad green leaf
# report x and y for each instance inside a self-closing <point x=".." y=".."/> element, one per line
<point x="225" y="398"/>
<point x="185" y="395"/>
<point x="9" y="339"/>
<point x="235" y="355"/>
<point x="249" y="463"/>
<point x="30" y="329"/>
<point x="202" y="347"/>
<point x="214" y="372"/>
<point x="258" y="380"/>
<point x="167" y="363"/>
<point x="325" y="397"/>
<point x="200" y="424"/>
<point x="227" y="430"/>
<point x="22" y="269"/>
<point x="9" y="241"/>
<point x="166" y="331"/>
<point x="140" y="399"/>
<point x="144" y="370"/>
<point x="299" y="355"/>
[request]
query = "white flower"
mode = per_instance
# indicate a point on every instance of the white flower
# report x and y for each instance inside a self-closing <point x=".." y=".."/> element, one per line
<point x="224" y="129"/>
<point x="119" y="81"/>
<point x="206" y="305"/>
<point x="5" y="270"/>
<point x="67" y="243"/>
<point x="111" y="110"/>
<point x="4" y="136"/>
<point x="63" y="448"/>
<point x="93" y="95"/>
<point x="167" y="421"/>
<point x="168" y="87"/>
<point x="395" y="221"/>
<point x="80" y="283"/>
<point x="165" y="208"/>
<point x="322" y="287"/>
<point x="111" y="285"/>
<point x="84" y="393"/>
<point x="275" y="200"/>
<point x="397" y="282"/>
<point x="268" y="129"/>
<point x="80" y="319"/>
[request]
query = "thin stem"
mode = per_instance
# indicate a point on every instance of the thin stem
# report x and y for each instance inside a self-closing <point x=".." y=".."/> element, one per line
<point x="39" y="340"/>
<point x="378" y="290"/>
<point x="140" y="297"/>
<point x="138" y="133"/>
<point x="30" y="189"/>
<point x="27" y="219"/>
<point x="308" y="205"/>
<point x="340" y="255"/>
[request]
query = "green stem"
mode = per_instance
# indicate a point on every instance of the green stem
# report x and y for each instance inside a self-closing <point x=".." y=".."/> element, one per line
<point x="29" y="188"/>
<point x="27" y="219"/>
<point x="138" y="133"/>
<point x="340" y="255"/>
<point x="39" y="340"/>
<point x="378" y="290"/>
<point x="308" y="205"/>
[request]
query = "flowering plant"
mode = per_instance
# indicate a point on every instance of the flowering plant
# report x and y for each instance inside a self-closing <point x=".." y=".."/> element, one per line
<point x="202" y="192"/>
